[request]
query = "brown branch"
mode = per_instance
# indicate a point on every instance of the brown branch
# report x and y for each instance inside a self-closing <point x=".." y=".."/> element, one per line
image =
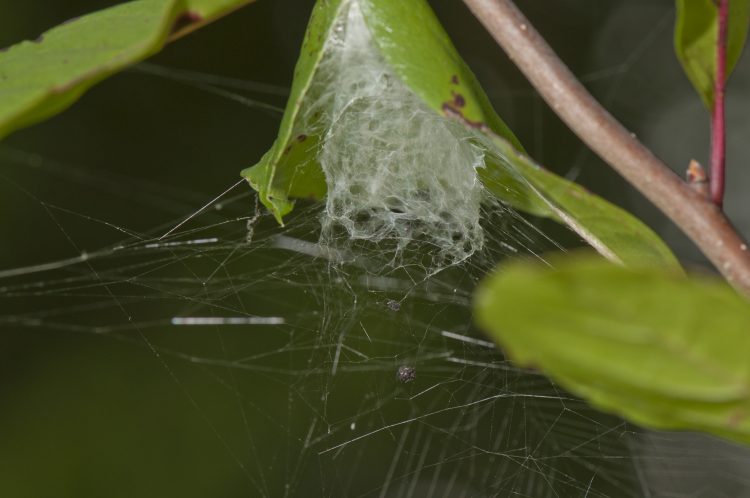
<point x="697" y="216"/>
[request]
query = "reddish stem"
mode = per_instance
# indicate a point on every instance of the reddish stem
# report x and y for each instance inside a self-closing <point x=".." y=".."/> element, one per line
<point x="718" y="125"/>
<point x="698" y="217"/>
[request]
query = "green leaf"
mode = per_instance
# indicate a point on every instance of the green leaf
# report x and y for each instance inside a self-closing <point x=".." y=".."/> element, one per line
<point x="419" y="52"/>
<point x="657" y="348"/>
<point x="695" y="38"/>
<point x="43" y="77"/>
<point x="612" y="231"/>
<point x="274" y="176"/>
<point x="416" y="48"/>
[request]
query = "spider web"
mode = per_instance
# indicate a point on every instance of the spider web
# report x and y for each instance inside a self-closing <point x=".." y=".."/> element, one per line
<point x="284" y="351"/>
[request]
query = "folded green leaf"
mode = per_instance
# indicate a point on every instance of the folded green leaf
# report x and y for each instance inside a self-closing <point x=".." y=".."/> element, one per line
<point x="696" y="36"/>
<point x="43" y="77"/>
<point x="655" y="347"/>
<point x="416" y="50"/>
<point x="612" y="231"/>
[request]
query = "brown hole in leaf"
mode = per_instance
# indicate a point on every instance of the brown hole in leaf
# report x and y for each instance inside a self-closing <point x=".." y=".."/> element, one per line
<point x="186" y="19"/>
<point x="736" y="418"/>
<point x="458" y="100"/>
<point x="450" y="110"/>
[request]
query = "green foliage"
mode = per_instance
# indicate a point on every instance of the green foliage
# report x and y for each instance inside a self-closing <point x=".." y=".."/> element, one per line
<point x="695" y="38"/>
<point x="274" y="177"/>
<point x="43" y="77"/>
<point x="419" y="52"/>
<point x="660" y="349"/>
<point x="612" y="231"/>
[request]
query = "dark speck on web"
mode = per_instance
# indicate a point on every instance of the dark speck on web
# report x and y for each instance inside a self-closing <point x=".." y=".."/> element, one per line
<point x="406" y="374"/>
<point x="393" y="305"/>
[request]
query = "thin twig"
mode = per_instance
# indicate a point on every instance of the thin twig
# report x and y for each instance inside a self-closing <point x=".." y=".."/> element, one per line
<point x="718" y="128"/>
<point x="698" y="217"/>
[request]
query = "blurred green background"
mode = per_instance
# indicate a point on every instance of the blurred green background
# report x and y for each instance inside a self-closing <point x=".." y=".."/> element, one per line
<point x="101" y="396"/>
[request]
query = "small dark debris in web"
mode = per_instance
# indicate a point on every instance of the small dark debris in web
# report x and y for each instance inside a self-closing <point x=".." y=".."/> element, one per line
<point x="393" y="305"/>
<point x="406" y="374"/>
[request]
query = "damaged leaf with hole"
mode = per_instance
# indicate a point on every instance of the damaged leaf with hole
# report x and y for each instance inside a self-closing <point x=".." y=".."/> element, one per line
<point x="391" y="111"/>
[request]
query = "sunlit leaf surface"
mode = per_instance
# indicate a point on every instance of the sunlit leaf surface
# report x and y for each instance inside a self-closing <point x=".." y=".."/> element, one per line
<point x="43" y="77"/>
<point x="418" y="51"/>
<point x="660" y="349"/>
<point x="695" y="38"/>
